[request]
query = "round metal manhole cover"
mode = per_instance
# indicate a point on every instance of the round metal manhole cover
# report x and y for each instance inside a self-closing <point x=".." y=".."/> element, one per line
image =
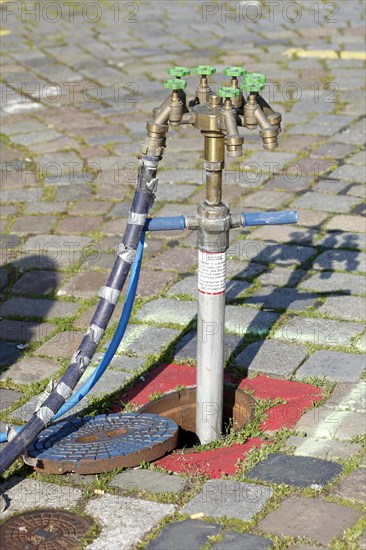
<point x="43" y="530"/>
<point x="101" y="444"/>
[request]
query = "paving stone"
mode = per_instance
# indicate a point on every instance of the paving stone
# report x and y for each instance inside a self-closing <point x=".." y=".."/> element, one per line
<point x="24" y="331"/>
<point x="31" y="369"/>
<point x="181" y="535"/>
<point x="322" y="448"/>
<point x="145" y="340"/>
<point x="43" y="207"/>
<point x="266" y="199"/>
<point x="177" y="259"/>
<point x="71" y="193"/>
<point x="233" y="499"/>
<point x="357" y="191"/>
<point x="149" y="480"/>
<point x="3" y="278"/>
<point x="347" y="223"/>
<point x="25" y="494"/>
<point x="18" y="195"/>
<point x="326" y="423"/>
<point x="242" y="270"/>
<point x="318" y="331"/>
<point x="63" y="344"/>
<point x="242" y="320"/>
<point x="292" y="183"/>
<point x="233" y="540"/>
<point x="38" y="282"/>
<point x="280" y="254"/>
<point x="283" y="233"/>
<point x="153" y="282"/>
<point x="8" y="398"/>
<point x="357" y="158"/>
<point x="341" y="260"/>
<point x="334" y="365"/>
<point x="333" y="150"/>
<point x="9" y="241"/>
<point x="84" y="285"/>
<point x="353" y="487"/>
<point x="126" y="363"/>
<point x="47" y="309"/>
<point x="362" y="540"/>
<point x="187" y="346"/>
<point x="311" y="518"/>
<point x="325" y="202"/>
<point x="282" y="298"/>
<point x="271" y="358"/>
<point x="78" y="224"/>
<point x="168" y="310"/>
<point x="295" y="470"/>
<point x="121" y="529"/>
<point x="341" y="239"/>
<point x="282" y="276"/>
<point x="33" y="224"/>
<point x="333" y="282"/>
<point x="345" y="307"/>
<point x="188" y="286"/>
<point x="330" y="186"/>
<point x="361" y="343"/>
<point x="349" y="172"/>
<point x="9" y="353"/>
<point x="348" y="396"/>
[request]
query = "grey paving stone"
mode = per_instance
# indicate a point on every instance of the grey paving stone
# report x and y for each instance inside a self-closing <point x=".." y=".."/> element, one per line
<point x="84" y="285"/>
<point x="24" y="331"/>
<point x="322" y="448"/>
<point x="282" y="276"/>
<point x="31" y="369"/>
<point x="285" y="234"/>
<point x="271" y="358"/>
<point x="350" y="172"/>
<point x="361" y="343"/>
<point x="188" y="286"/>
<point x="47" y="309"/>
<point x="324" y="332"/>
<point x="125" y="363"/>
<point x="181" y="535"/>
<point x="242" y="320"/>
<point x="8" y="398"/>
<point x="42" y="207"/>
<point x="9" y="353"/>
<point x="343" y="239"/>
<point x="3" y="278"/>
<point x="38" y="282"/>
<point x="299" y="471"/>
<point x="196" y="177"/>
<point x="187" y="346"/>
<point x="330" y="186"/>
<point x="334" y="365"/>
<point x="168" y="310"/>
<point x="325" y="202"/>
<point x="233" y="499"/>
<point x="280" y="254"/>
<point x="341" y="260"/>
<point x="143" y="340"/>
<point x="282" y="298"/>
<point x="292" y="183"/>
<point x="353" y="487"/>
<point x="348" y="396"/>
<point x="124" y="520"/>
<point x="329" y="282"/>
<point x="362" y="540"/>
<point x="311" y="518"/>
<point x="345" y="307"/>
<point x="150" y="480"/>
<point x="242" y="270"/>
<point x="25" y="494"/>
<point x="326" y="423"/>
<point x="242" y="541"/>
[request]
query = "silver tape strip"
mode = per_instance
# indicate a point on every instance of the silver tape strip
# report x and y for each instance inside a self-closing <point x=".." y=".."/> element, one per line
<point x="80" y="360"/>
<point x="150" y="163"/>
<point x="110" y="294"/>
<point x="152" y="185"/>
<point x="136" y="219"/>
<point x="45" y="414"/>
<point x="96" y="333"/>
<point x="126" y="254"/>
<point x="64" y="390"/>
<point x="10" y="432"/>
<point x="29" y="460"/>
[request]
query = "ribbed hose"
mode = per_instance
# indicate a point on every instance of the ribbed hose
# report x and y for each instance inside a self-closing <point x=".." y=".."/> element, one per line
<point x="109" y="294"/>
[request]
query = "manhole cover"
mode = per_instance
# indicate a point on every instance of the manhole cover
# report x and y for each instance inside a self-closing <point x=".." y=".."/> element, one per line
<point x="43" y="530"/>
<point x="101" y="444"/>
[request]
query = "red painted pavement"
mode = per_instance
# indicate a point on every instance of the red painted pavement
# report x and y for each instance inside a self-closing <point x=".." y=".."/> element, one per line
<point x="213" y="463"/>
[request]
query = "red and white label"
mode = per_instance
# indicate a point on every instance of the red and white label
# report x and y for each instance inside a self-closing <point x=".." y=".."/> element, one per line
<point x="211" y="272"/>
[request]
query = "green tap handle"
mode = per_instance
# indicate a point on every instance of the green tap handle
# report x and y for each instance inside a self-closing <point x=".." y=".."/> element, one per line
<point x="175" y="84"/>
<point x="234" y="71"/>
<point x="204" y="70"/>
<point x="228" y="91"/>
<point x="178" y="71"/>
<point x="254" y="82"/>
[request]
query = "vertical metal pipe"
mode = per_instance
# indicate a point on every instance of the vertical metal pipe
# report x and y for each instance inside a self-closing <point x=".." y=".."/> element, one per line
<point x="210" y="347"/>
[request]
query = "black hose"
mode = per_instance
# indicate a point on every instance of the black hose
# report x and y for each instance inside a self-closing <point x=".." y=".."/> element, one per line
<point x="109" y="294"/>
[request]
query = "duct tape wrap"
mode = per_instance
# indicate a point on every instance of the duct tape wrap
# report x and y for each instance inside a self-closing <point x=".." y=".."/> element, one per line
<point x="45" y="414"/>
<point x="126" y="254"/>
<point x="110" y="294"/>
<point x="95" y="333"/>
<point x="64" y="390"/>
<point x="80" y="360"/>
<point x="136" y="219"/>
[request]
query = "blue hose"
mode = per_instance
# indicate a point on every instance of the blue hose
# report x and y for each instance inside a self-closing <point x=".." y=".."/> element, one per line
<point x="113" y="346"/>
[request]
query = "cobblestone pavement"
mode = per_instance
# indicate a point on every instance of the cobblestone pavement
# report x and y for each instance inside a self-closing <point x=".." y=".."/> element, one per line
<point x="79" y="81"/>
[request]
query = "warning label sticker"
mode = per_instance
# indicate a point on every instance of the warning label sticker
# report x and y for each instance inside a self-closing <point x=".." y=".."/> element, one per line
<point x="211" y="272"/>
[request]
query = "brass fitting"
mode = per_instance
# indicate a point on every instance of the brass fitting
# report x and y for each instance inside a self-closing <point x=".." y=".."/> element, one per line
<point x="233" y="140"/>
<point x="155" y="140"/>
<point x="203" y="90"/>
<point x="250" y="107"/>
<point x="176" y="106"/>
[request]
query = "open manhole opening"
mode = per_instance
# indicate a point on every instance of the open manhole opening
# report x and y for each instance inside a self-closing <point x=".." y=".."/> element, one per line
<point x="43" y="530"/>
<point x="180" y="406"/>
